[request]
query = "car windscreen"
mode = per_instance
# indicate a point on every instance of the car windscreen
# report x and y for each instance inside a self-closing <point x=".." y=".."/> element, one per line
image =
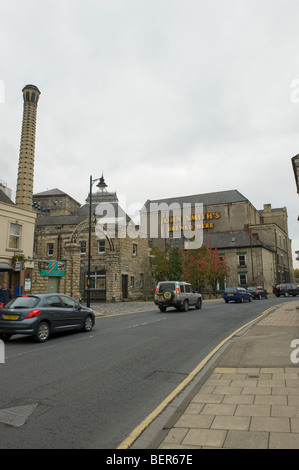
<point x="230" y="290"/>
<point x="166" y="285"/>
<point x="23" y="302"/>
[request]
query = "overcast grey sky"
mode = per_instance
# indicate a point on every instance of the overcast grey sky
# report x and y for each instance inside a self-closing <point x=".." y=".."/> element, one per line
<point x="165" y="97"/>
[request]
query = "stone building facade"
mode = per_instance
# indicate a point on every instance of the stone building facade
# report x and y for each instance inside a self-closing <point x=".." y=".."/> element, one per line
<point x="254" y="243"/>
<point x="119" y="262"/>
<point x="16" y="237"/>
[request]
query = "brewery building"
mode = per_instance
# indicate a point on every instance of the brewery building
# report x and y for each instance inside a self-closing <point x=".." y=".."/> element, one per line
<point x="254" y="243"/>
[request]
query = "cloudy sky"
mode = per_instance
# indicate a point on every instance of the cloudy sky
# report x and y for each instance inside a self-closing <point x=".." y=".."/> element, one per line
<point x="164" y="97"/>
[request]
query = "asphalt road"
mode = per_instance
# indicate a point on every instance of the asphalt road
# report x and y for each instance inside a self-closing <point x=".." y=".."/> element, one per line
<point x="92" y="389"/>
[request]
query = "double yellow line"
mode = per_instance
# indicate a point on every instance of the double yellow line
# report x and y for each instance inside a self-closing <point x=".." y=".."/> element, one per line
<point x="149" y="419"/>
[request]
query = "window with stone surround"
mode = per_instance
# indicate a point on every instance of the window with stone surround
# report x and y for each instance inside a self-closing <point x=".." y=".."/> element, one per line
<point x="97" y="280"/>
<point x="50" y="249"/>
<point x="15" y="231"/>
<point x="242" y="259"/>
<point x="243" y="279"/>
<point x="101" y="246"/>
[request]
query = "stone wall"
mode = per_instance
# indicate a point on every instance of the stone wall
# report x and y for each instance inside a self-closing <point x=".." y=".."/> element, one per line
<point x="120" y="257"/>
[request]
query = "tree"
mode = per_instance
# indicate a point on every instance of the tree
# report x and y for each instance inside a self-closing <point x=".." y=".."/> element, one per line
<point x="167" y="265"/>
<point x="204" y="266"/>
<point x="175" y="262"/>
<point x="217" y="269"/>
<point x="195" y="266"/>
<point x="160" y="265"/>
<point x="199" y="266"/>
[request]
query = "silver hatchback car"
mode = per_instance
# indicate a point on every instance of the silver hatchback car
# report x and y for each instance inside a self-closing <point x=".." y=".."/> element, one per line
<point x="177" y="294"/>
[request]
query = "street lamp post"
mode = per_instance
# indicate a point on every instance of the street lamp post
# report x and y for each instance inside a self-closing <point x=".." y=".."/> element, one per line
<point x="91" y="182"/>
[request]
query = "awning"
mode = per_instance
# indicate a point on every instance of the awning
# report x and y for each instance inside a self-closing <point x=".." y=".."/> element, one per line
<point x="5" y="267"/>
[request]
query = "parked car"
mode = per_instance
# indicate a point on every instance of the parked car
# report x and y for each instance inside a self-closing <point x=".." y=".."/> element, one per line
<point x="178" y="294"/>
<point x="40" y="315"/>
<point x="286" y="289"/>
<point x="257" y="292"/>
<point x="238" y="294"/>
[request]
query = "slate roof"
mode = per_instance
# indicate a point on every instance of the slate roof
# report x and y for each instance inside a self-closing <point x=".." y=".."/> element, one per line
<point x="227" y="240"/>
<point x="5" y="198"/>
<point x="51" y="192"/>
<point x="207" y="199"/>
<point x="81" y="214"/>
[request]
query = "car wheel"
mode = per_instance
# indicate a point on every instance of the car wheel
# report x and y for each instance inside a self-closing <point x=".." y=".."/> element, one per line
<point x="185" y="306"/>
<point x="249" y="300"/>
<point x="42" y="332"/>
<point x="88" y="324"/>
<point x="198" y="304"/>
<point x="162" y="309"/>
<point x="286" y="294"/>
<point x="242" y="300"/>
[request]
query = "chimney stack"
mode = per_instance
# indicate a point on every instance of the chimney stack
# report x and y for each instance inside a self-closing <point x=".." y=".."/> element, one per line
<point x="27" y="149"/>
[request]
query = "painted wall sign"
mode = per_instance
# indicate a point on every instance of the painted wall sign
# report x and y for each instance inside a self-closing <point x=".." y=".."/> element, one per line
<point x="52" y="268"/>
<point x="197" y="221"/>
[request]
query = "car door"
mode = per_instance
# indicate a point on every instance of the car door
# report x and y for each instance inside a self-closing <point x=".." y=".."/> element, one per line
<point x="294" y="289"/>
<point x="190" y="294"/>
<point x="72" y="314"/>
<point x="55" y="310"/>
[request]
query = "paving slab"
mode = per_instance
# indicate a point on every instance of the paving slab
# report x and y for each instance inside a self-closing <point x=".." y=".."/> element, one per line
<point x="251" y="394"/>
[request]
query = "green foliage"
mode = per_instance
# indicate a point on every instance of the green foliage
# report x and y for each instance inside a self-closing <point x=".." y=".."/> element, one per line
<point x="175" y="261"/>
<point x="200" y="266"/>
<point x="160" y="265"/>
<point x="19" y="257"/>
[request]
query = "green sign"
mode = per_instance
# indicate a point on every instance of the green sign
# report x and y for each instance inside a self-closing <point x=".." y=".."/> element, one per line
<point x="52" y="268"/>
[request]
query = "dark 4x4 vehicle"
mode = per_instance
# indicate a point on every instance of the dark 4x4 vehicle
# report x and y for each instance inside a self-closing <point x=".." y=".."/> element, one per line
<point x="286" y="289"/>
<point x="257" y="292"/>
<point x="178" y="294"/>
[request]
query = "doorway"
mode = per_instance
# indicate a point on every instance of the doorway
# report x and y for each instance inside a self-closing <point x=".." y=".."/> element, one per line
<point x="125" y="286"/>
<point x="53" y="284"/>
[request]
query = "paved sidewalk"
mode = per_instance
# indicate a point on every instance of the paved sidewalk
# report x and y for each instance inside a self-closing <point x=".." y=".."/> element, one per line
<point x="118" y="308"/>
<point x="250" y="397"/>
<point x="246" y="398"/>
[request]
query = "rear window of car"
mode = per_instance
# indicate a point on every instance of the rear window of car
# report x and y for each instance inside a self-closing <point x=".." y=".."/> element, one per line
<point x="230" y="290"/>
<point x="23" y="302"/>
<point x="165" y="286"/>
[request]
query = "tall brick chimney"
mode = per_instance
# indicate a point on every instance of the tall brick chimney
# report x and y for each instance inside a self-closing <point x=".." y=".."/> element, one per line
<point x="27" y="149"/>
